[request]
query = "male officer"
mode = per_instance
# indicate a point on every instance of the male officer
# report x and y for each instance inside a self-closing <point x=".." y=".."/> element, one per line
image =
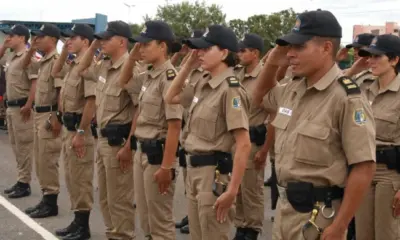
<point x="47" y="125"/>
<point x="250" y="200"/>
<point x="114" y="113"/>
<point x="78" y="108"/>
<point x="20" y="87"/>
<point x="323" y="125"/>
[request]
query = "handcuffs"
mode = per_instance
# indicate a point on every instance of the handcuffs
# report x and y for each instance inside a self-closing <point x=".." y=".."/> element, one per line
<point x="318" y="208"/>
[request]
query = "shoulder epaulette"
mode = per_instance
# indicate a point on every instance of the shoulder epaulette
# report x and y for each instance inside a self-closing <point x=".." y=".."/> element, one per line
<point x="171" y="74"/>
<point x="349" y="85"/>
<point x="238" y="67"/>
<point x="233" y="81"/>
<point x="149" y="67"/>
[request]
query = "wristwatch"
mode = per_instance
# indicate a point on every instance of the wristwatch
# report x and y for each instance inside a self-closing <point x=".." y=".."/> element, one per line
<point x="80" y="131"/>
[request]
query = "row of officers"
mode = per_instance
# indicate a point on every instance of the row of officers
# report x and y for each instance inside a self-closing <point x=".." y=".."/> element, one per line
<point x="334" y="139"/>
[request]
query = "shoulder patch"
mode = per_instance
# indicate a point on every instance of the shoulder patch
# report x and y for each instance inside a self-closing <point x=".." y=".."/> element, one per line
<point x="349" y="85"/>
<point x="233" y="81"/>
<point x="171" y="74"/>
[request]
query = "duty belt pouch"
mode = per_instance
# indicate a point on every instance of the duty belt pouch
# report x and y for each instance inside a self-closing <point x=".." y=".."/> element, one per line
<point x="93" y="128"/>
<point x="154" y="151"/>
<point x="224" y="162"/>
<point x="398" y="159"/>
<point x="69" y="121"/>
<point x="133" y="143"/>
<point x="182" y="158"/>
<point x="391" y="159"/>
<point x="260" y="133"/>
<point x="114" y="136"/>
<point x="301" y="196"/>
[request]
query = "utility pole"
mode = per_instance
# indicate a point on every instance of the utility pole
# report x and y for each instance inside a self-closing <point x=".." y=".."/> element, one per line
<point x="129" y="6"/>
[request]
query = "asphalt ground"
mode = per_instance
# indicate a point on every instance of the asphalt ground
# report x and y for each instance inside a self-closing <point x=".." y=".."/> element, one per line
<point x="15" y="225"/>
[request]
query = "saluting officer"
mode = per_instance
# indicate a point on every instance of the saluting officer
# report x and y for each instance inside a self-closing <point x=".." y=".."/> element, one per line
<point x="47" y="126"/>
<point x="114" y="113"/>
<point x="250" y="200"/>
<point x="20" y="87"/>
<point x="323" y="125"/>
<point x="377" y="218"/>
<point x="217" y="120"/>
<point x="78" y="108"/>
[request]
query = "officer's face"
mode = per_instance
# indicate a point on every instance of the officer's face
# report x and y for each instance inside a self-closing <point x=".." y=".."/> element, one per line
<point x="75" y="44"/>
<point x="13" y="41"/>
<point x="211" y="57"/>
<point x="45" y="42"/>
<point x="381" y="65"/>
<point x="151" y="51"/>
<point x="111" y="45"/>
<point x="247" y="56"/>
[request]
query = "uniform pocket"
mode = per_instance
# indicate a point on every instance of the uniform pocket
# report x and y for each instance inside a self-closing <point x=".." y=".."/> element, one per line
<point x="16" y="72"/>
<point x="312" y="146"/>
<point x="112" y="99"/>
<point x="387" y="124"/>
<point x="71" y="89"/>
<point x="151" y="108"/>
<point x="205" y="125"/>
<point x="280" y="123"/>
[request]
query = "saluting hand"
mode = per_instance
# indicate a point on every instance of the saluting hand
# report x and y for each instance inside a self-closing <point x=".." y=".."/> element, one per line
<point x="193" y="60"/>
<point x="223" y="205"/>
<point x="124" y="156"/>
<point x="163" y="177"/>
<point x="343" y="54"/>
<point x="278" y="56"/>
<point x="135" y="52"/>
<point x="95" y="44"/>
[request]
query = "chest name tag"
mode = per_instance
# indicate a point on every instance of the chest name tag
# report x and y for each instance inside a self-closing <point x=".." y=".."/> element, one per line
<point x="101" y="79"/>
<point x="195" y="99"/>
<point x="285" y="111"/>
<point x="143" y="89"/>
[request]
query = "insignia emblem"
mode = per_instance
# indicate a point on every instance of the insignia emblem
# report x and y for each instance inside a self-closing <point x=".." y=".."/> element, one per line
<point x="297" y="24"/>
<point x="42" y="27"/>
<point x="144" y="30"/>
<point x="170" y="74"/>
<point x="192" y="36"/>
<point x="374" y="41"/>
<point x="356" y="39"/>
<point x="236" y="104"/>
<point x="206" y="32"/>
<point x="13" y="27"/>
<point x="359" y="117"/>
<point x="73" y="28"/>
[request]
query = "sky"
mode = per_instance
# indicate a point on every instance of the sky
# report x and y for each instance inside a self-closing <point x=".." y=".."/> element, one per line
<point x="348" y="12"/>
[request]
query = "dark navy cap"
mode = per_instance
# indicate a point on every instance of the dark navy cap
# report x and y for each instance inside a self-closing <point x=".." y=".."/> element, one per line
<point x="362" y="40"/>
<point x="155" y="30"/>
<point x="83" y="30"/>
<point x="252" y="40"/>
<point x="311" y="24"/>
<point x="115" y="28"/>
<point x="218" y="35"/>
<point x="47" y="29"/>
<point x="381" y="45"/>
<point x="19" y="30"/>
<point x="195" y="34"/>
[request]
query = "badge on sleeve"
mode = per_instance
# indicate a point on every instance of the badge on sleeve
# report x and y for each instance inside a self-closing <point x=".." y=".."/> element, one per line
<point x="170" y="74"/>
<point x="236" y="104"/>
<point x="359" y="116"/>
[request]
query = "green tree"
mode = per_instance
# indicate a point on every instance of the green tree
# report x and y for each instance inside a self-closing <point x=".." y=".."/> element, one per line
<point x="184" y="17"/>
<point x="136" y="28"/>
<point x="239" y="26"/>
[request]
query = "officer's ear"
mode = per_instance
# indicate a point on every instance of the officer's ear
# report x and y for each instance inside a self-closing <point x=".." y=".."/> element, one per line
<point x="224" y="53"/>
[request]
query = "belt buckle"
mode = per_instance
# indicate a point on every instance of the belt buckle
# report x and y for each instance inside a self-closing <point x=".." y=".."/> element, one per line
<point x="282" y="193"/>
<point x="139" y="146"/>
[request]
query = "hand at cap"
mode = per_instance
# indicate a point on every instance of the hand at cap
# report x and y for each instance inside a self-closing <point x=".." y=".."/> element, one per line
<point x="34" y="43"/>
<point x="135" y="52"/>
<point x="360" y="65"/>
<point x="95" y="44"/>
<point x="193" y="60"/>
<point x="343" y="54"/>
<point x="278" y="56"/>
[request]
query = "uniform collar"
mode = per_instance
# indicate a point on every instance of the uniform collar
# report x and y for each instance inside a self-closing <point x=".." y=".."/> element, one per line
<point x="216" y="81"/>
<point x="328" y="78"/>
<point x="120" y="61"/>
<point x="394" y="86"/>
<point x="155" y="72"/>
<point x="253" y="73"/>
<point x="20" y="52"/>
<point x="48" y="56"/>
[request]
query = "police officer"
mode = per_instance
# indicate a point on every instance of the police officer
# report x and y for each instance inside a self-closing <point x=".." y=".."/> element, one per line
<point x="156" y="122"/>
<point x="377" y="218"/>
<point x="194" y="77"/>
<point x="47" y="125"/>
<point x="78" y="108"/>
<point x="250" y="201"/>
<point x="20" y="87"/>
<point x="217" y="119"/>
<point x="114" y="113"/>
<point x="323" y="125"/>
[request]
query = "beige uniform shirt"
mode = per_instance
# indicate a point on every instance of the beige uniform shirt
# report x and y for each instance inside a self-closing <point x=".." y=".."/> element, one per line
<point x="320" y="130"/>
<point x="385" y="104"/>
<point x="76" y="88"/>
<point x="257" y="115"/>
<point x="153" y="111"/>
<point x="46" y="93"/>
<point x="18" y="79"/>
<point x="216" y="109"/>
<point x="114" y="104"/>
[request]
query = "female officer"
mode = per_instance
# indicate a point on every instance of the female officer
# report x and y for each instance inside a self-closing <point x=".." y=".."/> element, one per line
<point x="377" y="217"/>
<point x="157" y="129"/>
<point x="217" y="119"/>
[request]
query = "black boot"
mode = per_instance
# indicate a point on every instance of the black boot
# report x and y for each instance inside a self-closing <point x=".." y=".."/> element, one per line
<point x="34" y="208"/>
<point x="48" y="209"/>
<point x="10" y="189"/>
<point x="240" y="234"/>
<point x="70" y="228"/>
<point x="21" y="190"/>
<point x="82" y="231"/>
<point x="182" y="223"/>
<point x="251" y="234"/>
<point x="185" y="229"/>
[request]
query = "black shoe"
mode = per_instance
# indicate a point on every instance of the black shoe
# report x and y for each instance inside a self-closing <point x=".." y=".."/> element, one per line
<point x="34" y="208"/>
<point x="240" y="234"/>
<point x="69" y="229"/>
<point x="268" y="182"/>
<point x="81" y="233"/>
<point x="22" y="190"/>
<point x="10" y="189"/>
<point x="251" y="234"/>
<point x="185" y="229"/>
<point x="182" y="223"/>
<point x="48" y="209"/>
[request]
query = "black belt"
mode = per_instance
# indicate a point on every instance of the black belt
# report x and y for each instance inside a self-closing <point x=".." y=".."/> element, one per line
<point x="385" y="154"/>
<point x="17" y="103"/>
<point x="45" y="109"/>
<point x="321" y="193"/>
<point x="123" y="128"/>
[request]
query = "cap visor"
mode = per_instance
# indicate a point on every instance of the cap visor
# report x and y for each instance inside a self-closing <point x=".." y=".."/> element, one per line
<point x="104" y="35"/>
<point x="241" y="45"/>
<point x="67" y="33"/>
<point x="370" y="51"/>
<point x="198" y="43"/>
<point x="354" y="45"/>
<point x="142" y="39"/>
<point x="37" y="33"/>
<point x="293" y="39"/>
<point x="7" y="31"/>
